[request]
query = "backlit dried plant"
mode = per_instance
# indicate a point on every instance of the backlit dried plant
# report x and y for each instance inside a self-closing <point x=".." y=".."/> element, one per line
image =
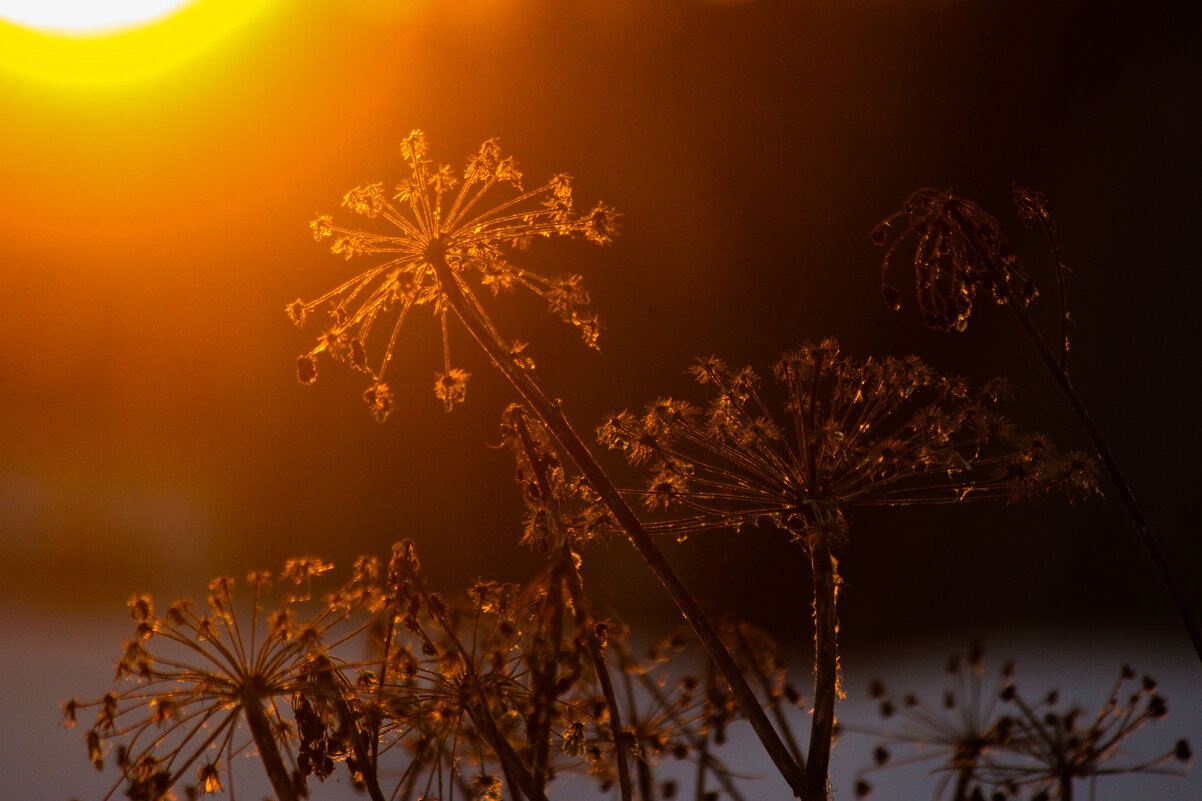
<point x="439" y="239"/>
<point x="959" y="250"/>
<point x="436" y="216"/>
<point x="993" y="743"/>
<point x="958" y="735"/>
<point x="1051" y="749"/>
<point x="449" y="688"/>
<point x="853" y="433"/>
<point x="697" y="708"/>
<point x="883" y="432"/>
<point x="190" y="679"/>
<point x="562" y="509"/>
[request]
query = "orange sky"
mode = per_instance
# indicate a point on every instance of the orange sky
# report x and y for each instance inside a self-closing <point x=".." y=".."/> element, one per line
<point x="152" y="229"/>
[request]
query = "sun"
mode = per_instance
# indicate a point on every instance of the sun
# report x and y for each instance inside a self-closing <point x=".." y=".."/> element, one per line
<point x="86" y="17"/>
<point x="88" y="43"/>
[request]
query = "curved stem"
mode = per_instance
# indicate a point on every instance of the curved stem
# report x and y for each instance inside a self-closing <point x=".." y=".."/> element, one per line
<point x="826" y="666"/>
<point x="563" y="432"/>
<point x="1060" y="376"/>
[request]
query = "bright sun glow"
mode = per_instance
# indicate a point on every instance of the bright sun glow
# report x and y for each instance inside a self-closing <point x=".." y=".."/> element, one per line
<point x="86" y="43"/>
<point x="86" y="17"/>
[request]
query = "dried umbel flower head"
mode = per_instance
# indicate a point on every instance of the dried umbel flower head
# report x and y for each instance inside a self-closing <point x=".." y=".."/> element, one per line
<point x="959" y="734"/>
<point x="191" y="678"/>
<point x="498" y="683"/>
<point x="959" y="251"/>
<point x="850" y="433"/>
<point x="993" y="743"/>
<point x="1050" y="748"/>
<point x="437" y="215"/>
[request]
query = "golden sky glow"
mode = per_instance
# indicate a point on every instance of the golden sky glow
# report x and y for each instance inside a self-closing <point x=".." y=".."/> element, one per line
<point x="84" y="17"/>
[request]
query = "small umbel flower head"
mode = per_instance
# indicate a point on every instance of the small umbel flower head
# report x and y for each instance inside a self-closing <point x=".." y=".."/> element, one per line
<point x="960" y="735"/>
<point x="959" y="252"/>
<point x="885" y="432"/>
<point x="437" y="216"/>
<point x="192" y="681"/>
<point x="1051" y="748"/>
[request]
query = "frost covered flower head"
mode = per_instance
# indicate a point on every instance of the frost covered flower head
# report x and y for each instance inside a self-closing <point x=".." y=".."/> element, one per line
<point x="434" y="216"/>
<point x="197" y="685"/>
<point x="959" y="251"/>
<point x="882" y="432"/>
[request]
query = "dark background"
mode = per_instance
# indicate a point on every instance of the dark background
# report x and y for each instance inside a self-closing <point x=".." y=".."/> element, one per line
<point x="151" y="232"/>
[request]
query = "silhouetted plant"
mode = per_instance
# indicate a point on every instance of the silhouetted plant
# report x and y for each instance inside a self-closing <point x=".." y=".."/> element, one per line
<point x="435" y="248"/>
<point x="993" y="743"/>
<point x="432" y="222"/>
<point x="1055" y="750"/>
<point x="958" y="734"/>
<point x="190" y="679"/>
<point x="502" y="691"/>
<point x="853" y="433"/>
<point x="507" y="688"/>
<point x="959" y="250"/>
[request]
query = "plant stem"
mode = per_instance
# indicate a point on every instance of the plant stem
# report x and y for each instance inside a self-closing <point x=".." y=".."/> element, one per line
<point x="544" y="665"/>
<point x="698" y="742"/>
<point x="766" y="685"/>
<point x="365" y="758"/>
<point x="963" y="777"/>
<point x="1060" y="376"/>
<point x="596" y="651"/>
<point x="269" y="753"/>
<point x="557" y="424"/>
<point x="826" y="666"/>
<point x="1066" y="787"/>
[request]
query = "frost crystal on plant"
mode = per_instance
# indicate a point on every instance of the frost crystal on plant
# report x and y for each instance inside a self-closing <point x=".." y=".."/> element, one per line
<point x="959" y="250"/>
<point x="435" y="214"/>
<point x="881" y="432"/>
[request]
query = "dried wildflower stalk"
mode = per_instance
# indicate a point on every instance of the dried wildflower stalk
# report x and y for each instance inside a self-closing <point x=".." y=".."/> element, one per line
<point x="441" y="236"/>
<point x="959" y="250"/>
<point x="563" y="513"/>
<point x="963" y="730"/>
<point x="435" y="224"/>
<point x="507" y="688"/>
<point x="854" y="433"/>
<point x="1054" y="750"/>
<point x="994" y="740"/>
<point x="197" y="674"/>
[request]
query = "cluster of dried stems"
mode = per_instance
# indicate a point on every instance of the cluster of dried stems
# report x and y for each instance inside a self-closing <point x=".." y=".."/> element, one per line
<point x="990" y="742"/>
<point x="500" y="692"/>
